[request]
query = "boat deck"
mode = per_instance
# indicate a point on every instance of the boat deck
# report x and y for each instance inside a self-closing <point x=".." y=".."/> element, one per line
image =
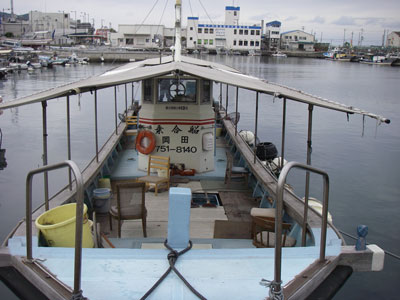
<point x="231" y="220"/>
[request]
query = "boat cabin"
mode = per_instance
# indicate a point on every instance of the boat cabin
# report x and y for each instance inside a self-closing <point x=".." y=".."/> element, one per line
<point x="178" y="110"/>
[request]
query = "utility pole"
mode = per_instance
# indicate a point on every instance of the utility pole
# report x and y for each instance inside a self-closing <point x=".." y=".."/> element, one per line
<point x="344" y="36"/>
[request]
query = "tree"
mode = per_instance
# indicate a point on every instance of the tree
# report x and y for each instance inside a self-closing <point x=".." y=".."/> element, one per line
<point x="9" y="34"/>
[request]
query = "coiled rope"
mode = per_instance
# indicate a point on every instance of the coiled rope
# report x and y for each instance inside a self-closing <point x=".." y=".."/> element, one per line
<point x="172" y="257"/>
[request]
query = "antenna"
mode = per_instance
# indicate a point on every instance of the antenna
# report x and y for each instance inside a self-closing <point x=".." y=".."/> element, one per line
<point x="178" y="17"/>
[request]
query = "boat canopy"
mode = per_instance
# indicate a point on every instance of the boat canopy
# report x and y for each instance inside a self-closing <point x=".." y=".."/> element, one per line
<point x="149" y="68"/>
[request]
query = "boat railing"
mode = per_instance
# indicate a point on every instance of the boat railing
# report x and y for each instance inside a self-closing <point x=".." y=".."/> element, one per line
<point x="77" y="293"/>
<point x="276" y="285"/>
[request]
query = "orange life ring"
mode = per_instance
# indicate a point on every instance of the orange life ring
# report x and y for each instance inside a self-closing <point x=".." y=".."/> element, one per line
<point x="145" y="134"/>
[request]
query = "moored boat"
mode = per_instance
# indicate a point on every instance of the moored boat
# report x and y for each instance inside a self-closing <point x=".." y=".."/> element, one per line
<point x="180" y="119"/>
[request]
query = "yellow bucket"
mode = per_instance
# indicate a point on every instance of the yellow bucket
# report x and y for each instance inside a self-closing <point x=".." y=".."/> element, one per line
<point x="105" y="183"/>
<point x="218" y="131"/>
<point x="58" y="226"/>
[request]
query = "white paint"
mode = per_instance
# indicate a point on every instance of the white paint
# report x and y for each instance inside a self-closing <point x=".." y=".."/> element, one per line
<point x="378" y="257"/>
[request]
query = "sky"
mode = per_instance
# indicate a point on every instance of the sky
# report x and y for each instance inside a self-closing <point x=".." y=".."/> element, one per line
<point x="330" y="21"/>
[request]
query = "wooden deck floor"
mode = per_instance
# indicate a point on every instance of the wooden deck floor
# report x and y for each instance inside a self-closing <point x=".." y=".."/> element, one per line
<point x="204" y="221"/>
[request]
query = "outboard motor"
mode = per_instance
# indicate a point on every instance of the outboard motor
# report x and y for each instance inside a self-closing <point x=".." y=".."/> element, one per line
<point x="266" y="151"/>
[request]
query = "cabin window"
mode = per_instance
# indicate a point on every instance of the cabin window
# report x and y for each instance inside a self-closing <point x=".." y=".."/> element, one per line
<point x="174" y="90"/>
<point x="148" y="90"/>
<point x="206" y="96"/>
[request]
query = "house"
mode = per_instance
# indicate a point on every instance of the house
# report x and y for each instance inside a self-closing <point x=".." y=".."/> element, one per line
<point x="272" y="35"/>
<point x="393" y="39"/>
<point x="143" y="36"/>
<point x="297" y="40"/>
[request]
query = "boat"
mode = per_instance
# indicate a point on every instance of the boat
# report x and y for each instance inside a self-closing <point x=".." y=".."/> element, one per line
<point x="214" y="251"/>
<point x="278" y="54"/>
<point x="379" y="60"/>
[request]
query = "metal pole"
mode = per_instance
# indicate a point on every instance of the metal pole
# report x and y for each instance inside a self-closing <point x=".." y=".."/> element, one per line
<point x="95" y="126"/>
<point x="115" y="110"/>
<point x="276" y="284"/>
<point x="45" y="175"/>
<point x="79" y="218"/>
<point x="307" y="188"/>
<point x="255" y="129"/>
<point x="237" y="104"/>
<point x="220" y="96"/>
<point x="283" y="134"/>
<point x="226" y="101"/>
<point x="133" y="93"/>
<point x="69" y="142"/>
<point x="126" y="101"/>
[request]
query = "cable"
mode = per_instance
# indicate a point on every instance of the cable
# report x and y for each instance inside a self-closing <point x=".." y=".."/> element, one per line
<point x="206" y="12"/>
<point x="162" y="15"/>
<point x="144" y="20"/>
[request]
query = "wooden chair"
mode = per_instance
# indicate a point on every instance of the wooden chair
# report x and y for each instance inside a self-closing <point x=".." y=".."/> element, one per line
<point x="130" y="204"/>
<point x="233" y="171"/>
<point x="159" y="164"/>
<point x="263" y="233"/>
<point x="131" y="125"/>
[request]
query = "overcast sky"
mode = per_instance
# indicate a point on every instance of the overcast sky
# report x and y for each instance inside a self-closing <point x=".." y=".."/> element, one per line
<point x="333" y="20"/>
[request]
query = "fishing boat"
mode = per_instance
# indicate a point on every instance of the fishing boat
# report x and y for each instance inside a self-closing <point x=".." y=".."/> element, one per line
<point x="217" y="219"/>
<point x="278" y="54"/>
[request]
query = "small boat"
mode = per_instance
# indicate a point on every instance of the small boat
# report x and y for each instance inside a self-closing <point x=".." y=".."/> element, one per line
<point x="233" y="224"/>
<point x="278" y="54"/>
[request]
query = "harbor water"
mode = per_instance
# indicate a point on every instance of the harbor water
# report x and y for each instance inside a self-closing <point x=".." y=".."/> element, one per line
<point x="360" y="155"/>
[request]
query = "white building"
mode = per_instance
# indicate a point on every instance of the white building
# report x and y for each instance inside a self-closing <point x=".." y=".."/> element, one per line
<point x="393" y="39"/>
<point x="230" y="35"/>
<point x="297" y="40"/>
<point x="143" y="36"/>
<point x="273" y="35"/>
<point x="40" y="21"/>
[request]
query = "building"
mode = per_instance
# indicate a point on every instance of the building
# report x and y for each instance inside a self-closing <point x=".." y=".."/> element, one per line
<point x="143" y="36"/>
<point x="231" y="35"/>
<point x="272" y="35"/>
<point x="393" y="39"/>
<point x="297" y="40"/>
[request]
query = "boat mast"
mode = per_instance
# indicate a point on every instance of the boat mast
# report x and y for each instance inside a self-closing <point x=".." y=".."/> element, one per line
<point x="178" y="15"/>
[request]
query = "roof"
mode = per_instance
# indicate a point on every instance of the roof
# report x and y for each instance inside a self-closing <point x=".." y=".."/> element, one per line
<point x="277" y="23"/>
<point x="295" y="31"/>
<point x="149" y="68"/>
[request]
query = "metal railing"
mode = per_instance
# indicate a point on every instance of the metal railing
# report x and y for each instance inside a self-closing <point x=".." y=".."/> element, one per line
<point x="77" y="293"/>
<point x="275" y="287"/>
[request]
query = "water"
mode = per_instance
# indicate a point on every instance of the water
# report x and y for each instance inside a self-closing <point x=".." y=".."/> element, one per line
<point x="363" y="168"/>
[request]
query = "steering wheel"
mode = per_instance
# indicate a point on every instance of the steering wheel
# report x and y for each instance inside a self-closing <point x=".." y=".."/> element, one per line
<point x="177" y="89"/>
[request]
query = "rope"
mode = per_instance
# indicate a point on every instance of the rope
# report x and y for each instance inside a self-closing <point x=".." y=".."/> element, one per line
<point x="355" y="238"/>
<point x="206" y="12"/>
<point x="275" y="290"/>
<point x="144" y="20"/>
<point x="172" y="257"/>
<point x="162" y="15"/>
